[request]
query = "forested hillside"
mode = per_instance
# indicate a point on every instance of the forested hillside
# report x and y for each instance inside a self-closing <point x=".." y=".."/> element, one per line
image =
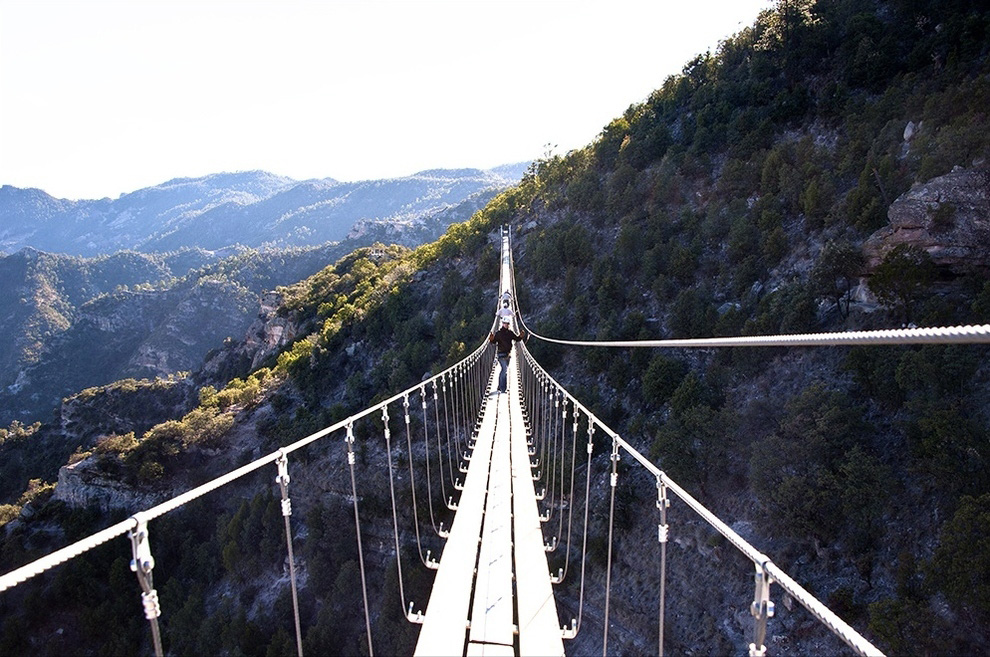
<point x="824" y="169"/>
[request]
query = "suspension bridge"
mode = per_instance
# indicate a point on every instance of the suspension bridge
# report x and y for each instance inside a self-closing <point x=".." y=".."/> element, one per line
<point x="505" y="465"/>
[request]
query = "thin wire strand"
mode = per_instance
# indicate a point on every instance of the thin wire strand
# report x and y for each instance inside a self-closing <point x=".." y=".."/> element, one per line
<point x="395" y="521"/>
<point x="608" y="563"/>
<point x="357" y="531"/>
<point x="426" y="451"/>
<point x="412" y="480"/>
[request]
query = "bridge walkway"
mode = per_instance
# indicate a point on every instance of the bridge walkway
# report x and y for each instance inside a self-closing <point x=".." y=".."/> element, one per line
<point x="492" y="594"/>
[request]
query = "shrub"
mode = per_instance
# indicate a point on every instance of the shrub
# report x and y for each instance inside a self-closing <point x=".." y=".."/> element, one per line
<point x="834" y="273"/>
<point x="36" y="490"/>
<point x="902" y="278"/>
<point x="692" y="314"/>
<point x="8" y="512"/>
<point x="814" y="471"/>
<point x="112" y="449"/>
<point x="961" y="564"/>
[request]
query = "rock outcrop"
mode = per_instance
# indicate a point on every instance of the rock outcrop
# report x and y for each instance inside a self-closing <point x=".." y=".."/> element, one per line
<point x="82" y="484"/>
<point x="269" y="332"/>
<point x="948" y="217"/>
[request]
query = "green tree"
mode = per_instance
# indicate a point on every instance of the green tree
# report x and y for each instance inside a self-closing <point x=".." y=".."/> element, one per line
<point x="662" y="377"/>
<point x="902" y="279"/>
<point x="814" y="471"/>
<point x="834" y="273"/>
<point x="961" y="564"/>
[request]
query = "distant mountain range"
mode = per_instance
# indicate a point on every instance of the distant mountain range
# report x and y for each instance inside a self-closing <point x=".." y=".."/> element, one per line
<point x="146" y="285"/>
<point x="254" y="209"/>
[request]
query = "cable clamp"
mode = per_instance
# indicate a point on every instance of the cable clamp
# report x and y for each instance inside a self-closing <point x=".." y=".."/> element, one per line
<point x="149" y="601"/>
<point x="663" y="502"/>
<point x="142" y="562"/>
<point x="283" y="469"/>
<point x="663" y="533"/>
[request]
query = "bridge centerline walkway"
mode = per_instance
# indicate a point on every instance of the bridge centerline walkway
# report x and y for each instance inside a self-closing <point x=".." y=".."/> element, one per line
<point x="492" y="594"/>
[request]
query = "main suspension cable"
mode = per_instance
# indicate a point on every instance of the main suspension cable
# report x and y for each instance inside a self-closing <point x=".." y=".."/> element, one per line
<point x="934" y="335"/>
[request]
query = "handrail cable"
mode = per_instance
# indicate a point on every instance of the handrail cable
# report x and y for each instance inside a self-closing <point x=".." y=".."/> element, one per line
<point x="839" y="627"/>
<point x="940" y="335"/>
<point x="56" y="558"/>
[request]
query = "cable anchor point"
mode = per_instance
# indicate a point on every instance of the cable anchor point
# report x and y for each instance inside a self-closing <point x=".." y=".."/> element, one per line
<point x="416" y="617"/>
<point x="569" y="632"/>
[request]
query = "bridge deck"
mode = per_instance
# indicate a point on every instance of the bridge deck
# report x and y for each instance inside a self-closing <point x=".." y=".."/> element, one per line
<point x="495" y="551"/>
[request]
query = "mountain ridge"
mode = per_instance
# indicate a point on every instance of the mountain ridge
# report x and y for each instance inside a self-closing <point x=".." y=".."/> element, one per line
<point x="253" y="208"/>
<point x="62" y="300"/>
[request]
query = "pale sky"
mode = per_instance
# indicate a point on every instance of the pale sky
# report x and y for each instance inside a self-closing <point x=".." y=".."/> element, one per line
<point x="101" y="97"/>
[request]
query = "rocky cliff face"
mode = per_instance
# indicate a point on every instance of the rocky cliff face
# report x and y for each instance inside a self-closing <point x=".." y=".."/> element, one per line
<point x="948" y="217"/>
<point x="269" y="332"/>
<point x="82" y="484"/>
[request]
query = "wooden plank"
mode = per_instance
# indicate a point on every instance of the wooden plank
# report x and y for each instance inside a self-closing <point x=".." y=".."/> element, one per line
<point x="539" y="631"/>
<point x="491" y="614"/>
<point x="444" y="630"/>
